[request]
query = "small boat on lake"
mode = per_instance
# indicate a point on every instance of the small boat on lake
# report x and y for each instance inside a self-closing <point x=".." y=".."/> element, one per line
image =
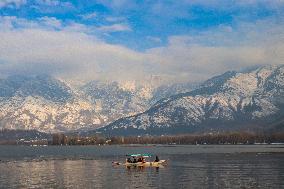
<point x="140" y="160"/>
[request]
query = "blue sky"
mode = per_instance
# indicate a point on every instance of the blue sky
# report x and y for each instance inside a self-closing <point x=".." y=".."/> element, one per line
<point x="146" y="23"/>
<point x="143" y="33"/>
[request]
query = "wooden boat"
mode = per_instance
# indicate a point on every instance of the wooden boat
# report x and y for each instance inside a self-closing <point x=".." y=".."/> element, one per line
<point x="139" y="160"/>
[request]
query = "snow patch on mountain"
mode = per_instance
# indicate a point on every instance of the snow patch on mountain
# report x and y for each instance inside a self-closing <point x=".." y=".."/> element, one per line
<point x="50" y="105"/>
<point x="238" y="98"/>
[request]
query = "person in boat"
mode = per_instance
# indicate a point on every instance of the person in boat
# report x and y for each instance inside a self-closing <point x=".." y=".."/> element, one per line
<point x="128" y="160"/>
<point x="139" y="159"/>
<point x="134" y="160"/>
<point x="157" y="159"/>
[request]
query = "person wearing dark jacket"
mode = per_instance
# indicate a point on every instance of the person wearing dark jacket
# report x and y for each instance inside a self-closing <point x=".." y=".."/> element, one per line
<point x="128" y="160"/>
<point x="134" y="160"/>
<point x="157" y="159"/>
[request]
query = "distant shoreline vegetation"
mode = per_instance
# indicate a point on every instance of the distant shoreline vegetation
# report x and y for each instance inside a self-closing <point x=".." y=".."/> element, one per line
<point x="32" y="137"/>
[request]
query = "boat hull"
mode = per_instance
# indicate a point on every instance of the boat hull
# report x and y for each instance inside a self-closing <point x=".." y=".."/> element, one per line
<point x="146" y="164"/>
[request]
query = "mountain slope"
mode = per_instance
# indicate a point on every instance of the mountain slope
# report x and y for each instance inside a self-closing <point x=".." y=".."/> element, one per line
<point x="47" y="104"/>
<point x="115" y="100"/>
<point x="244" y="100"/>
<point x="43" y="103"/>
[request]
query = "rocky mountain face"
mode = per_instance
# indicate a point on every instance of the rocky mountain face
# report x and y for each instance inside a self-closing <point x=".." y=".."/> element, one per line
<point x="50" y="105"/>
<point x="250" y="100"/>
<point x="114" y="100"/>
<point x="42" y="103"/>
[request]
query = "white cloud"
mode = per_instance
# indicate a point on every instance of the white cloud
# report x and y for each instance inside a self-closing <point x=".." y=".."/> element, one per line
<point x="68" y="54"/>
<point x="10" y="22"/>
<point x="115" y="19"/>
<point x="52" y="3"/>
<point x="52" y="6"/>
<point x="12" y="3"/>
<point x="51" y="22"/>
<point x="65" y="53"/>
<point x="115" y="28"/>
<point x="89" y="16"/>
<point x="48" y="45"/>
<point x="218" y="50"/>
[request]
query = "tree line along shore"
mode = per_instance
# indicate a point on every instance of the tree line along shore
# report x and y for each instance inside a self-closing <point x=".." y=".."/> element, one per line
<point x="22" y="137"/>
<point x="187" y="139"/>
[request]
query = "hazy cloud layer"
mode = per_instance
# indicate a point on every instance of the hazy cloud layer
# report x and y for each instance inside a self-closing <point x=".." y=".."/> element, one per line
<point x="76" y="51"/>
<point x="12" y="3"/>
<point x="229" y="49"/>
<point x="115" y="28"/>
<point x="66" y="53"/>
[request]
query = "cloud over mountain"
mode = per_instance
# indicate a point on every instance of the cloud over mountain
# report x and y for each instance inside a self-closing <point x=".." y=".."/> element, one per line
<point x="87" y="49"/>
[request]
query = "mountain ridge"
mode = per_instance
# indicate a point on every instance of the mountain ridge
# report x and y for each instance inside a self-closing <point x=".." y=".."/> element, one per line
<point x="236" y="98"/>
<point x="48" y="104"/>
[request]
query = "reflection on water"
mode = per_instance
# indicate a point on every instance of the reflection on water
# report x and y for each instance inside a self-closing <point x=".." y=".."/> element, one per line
<point x="52" y="174"/>
<point x="201" y="170"/>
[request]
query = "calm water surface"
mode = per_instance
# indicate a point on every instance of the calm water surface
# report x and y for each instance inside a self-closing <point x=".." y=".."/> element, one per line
<point x="189" y="167"/>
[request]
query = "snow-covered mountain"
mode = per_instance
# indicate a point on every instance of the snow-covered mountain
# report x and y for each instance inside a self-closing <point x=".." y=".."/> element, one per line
<point x="48" y="104"/>
<point x="115" y="100"/>
<point x="249" y="100"/>
<point x="43" y="103"/>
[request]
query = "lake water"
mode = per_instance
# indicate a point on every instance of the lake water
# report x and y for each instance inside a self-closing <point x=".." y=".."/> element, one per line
<point x="204" y="166"/>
